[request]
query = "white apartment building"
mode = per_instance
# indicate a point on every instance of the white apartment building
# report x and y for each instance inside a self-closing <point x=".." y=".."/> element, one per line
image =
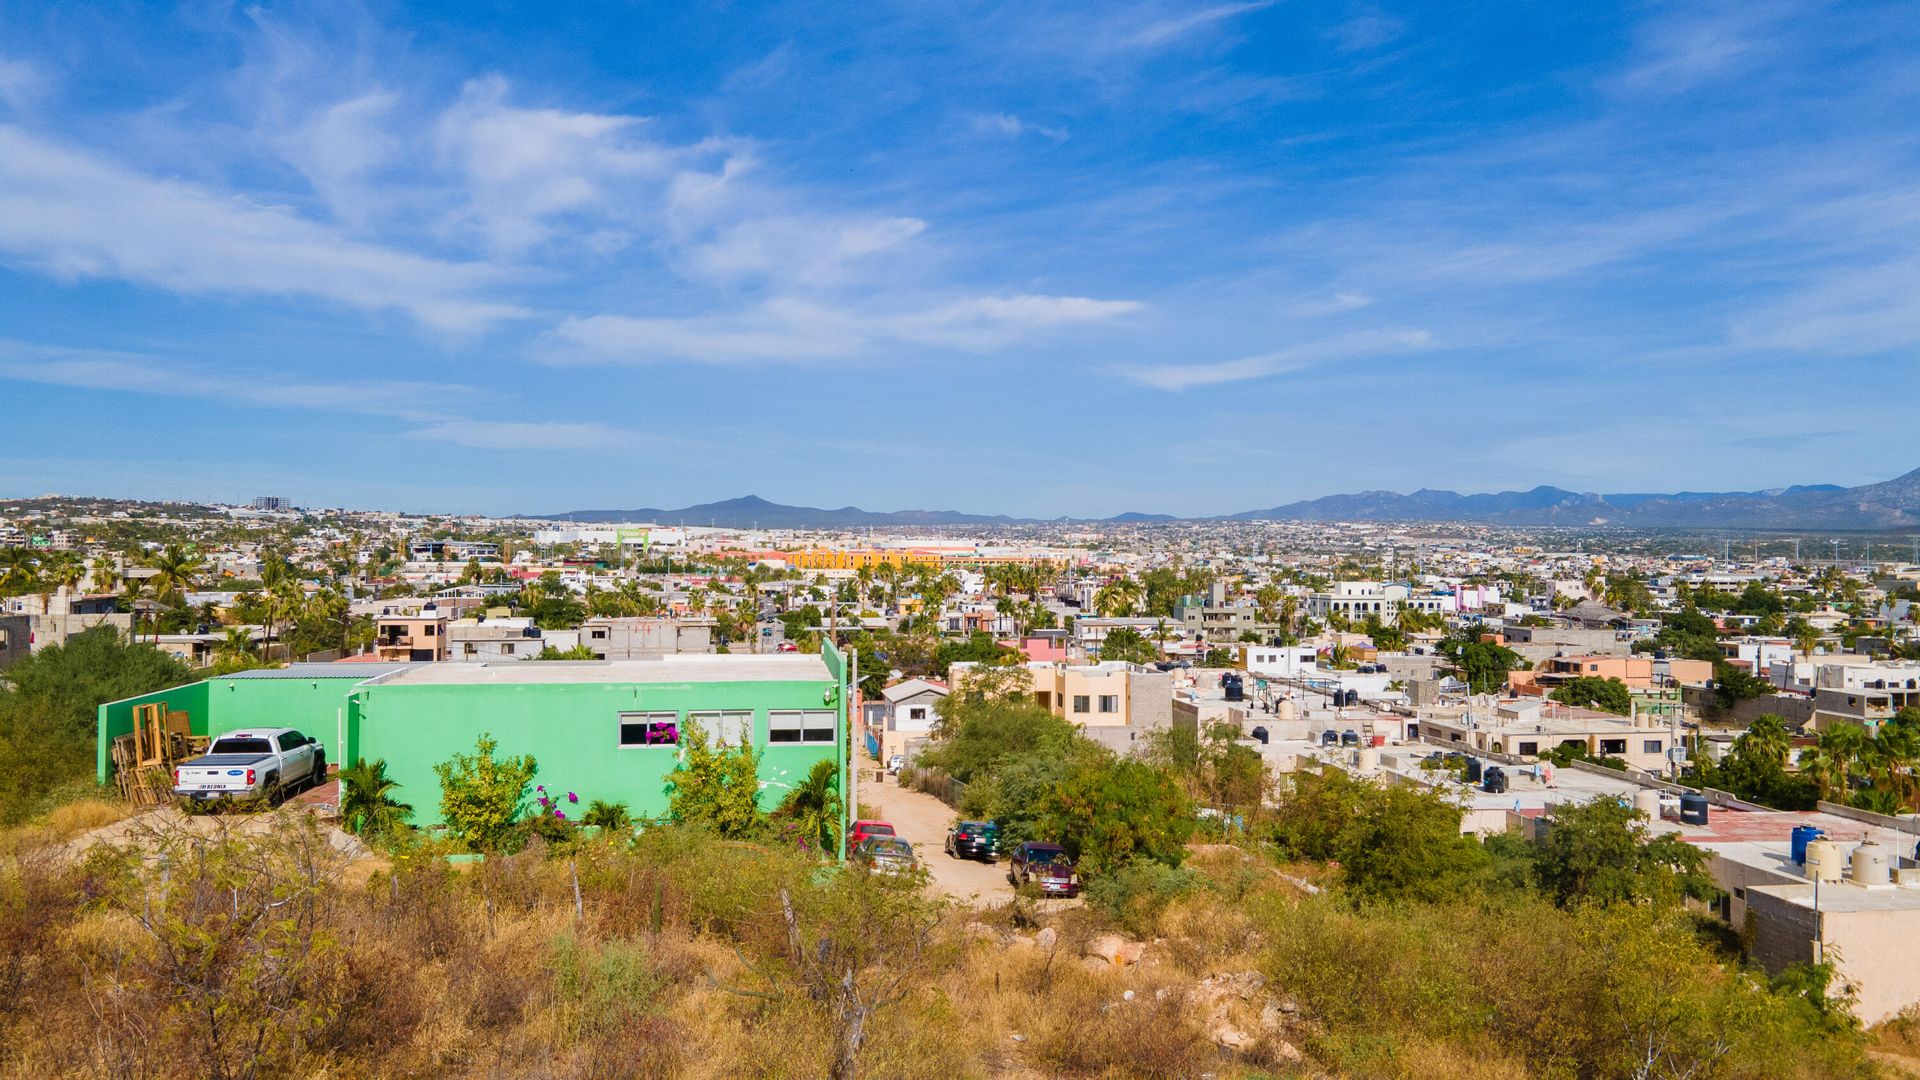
<point x="1358" y="599"/>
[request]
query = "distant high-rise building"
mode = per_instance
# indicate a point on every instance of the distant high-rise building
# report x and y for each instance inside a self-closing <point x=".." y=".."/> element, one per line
<point x="272" y="502"/>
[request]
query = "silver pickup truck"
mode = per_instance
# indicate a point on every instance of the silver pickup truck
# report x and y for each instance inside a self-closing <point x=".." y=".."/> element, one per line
<point x="244" y="766"/>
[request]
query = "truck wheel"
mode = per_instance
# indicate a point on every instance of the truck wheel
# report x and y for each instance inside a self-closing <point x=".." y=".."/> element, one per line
<point x="275" y="794"/>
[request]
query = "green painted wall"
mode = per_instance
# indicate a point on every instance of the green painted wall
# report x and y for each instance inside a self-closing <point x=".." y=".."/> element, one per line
<point x="316" y="707"/>
<point x="573" y="731"/>
<point x="116" y="719"/>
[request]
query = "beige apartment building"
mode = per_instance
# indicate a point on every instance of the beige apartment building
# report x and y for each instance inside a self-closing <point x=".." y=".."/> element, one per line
<point x="1112" y="701"/>
<point x="1530" y="727"/>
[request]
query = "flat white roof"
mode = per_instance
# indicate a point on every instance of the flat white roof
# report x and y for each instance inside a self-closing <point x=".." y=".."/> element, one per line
<point x="684" y="668"/>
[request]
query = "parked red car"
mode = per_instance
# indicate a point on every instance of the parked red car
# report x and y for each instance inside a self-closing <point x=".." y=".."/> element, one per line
<point x="865" y="829"/>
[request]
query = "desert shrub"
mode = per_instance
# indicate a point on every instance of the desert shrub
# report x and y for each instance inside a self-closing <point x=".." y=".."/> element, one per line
<point x="1134" y="894"/>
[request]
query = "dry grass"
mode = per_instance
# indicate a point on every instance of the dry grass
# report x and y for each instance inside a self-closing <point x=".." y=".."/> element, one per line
<point x="85" y="815"/>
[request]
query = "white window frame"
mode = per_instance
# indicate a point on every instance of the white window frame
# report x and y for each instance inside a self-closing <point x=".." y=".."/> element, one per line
<point x="648" y="718"/>
<point x="1109" y="704"/>
<point x="813" y="727"/>
<point x="728" y="727"/>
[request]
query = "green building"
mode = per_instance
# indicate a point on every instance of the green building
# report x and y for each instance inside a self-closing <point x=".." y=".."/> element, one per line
<point x="604" y="729"/>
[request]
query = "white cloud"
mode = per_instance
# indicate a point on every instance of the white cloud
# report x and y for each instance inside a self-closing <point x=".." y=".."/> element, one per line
<point x="73" y="215"/>
<point x="417" y="403"/>
<point x="523" y="168"/>
<point x="103" y="369"/>
<point x="1167" y="30"/>
<point x="20" y="83"/>
<point x="342" y="148"/>
<point x="1363" y="32"/>
<point x="807" y="251"/>
<point x="1013" y="127"/>
<point x="524" y="435"/>
<point x="786" y="329"/>
<point x="1292" y="358"/>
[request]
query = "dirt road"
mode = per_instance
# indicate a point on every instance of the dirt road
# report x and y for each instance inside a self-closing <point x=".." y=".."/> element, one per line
<point x="922" y="820"/>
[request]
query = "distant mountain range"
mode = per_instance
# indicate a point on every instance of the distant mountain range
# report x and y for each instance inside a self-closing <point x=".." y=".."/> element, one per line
<point x="1891" y="504"/>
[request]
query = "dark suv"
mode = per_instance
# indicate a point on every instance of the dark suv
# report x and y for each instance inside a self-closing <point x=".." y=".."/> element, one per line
<point x="1046" y="865"/>
<point x="973" y="840"/>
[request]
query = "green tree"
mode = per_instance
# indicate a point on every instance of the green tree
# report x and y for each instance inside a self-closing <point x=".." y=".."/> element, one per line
<point x="577" y="652"/>
<point x="1126" y="643"/>
<point x="1483" y="665"/>
<point x="612" y="817"/>
<point x="1609" y="695"/>
<point x="716" y="787"/>
<point x="1108" y="812"/>
<point x="1732" y="685"/>
<point x="482" y="797"/>
<point x="813" y="808"/>
<point x="367" y="805"/>
<point x="1601" y="852"/>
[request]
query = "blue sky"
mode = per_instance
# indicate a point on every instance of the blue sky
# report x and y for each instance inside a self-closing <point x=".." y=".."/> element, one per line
<point x="1023" y="258"/>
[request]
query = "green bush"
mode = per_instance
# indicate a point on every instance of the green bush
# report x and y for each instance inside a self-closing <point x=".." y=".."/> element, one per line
<point x="1135" y="893"/>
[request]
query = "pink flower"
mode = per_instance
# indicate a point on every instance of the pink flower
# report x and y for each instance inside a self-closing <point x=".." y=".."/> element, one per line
<point x="561" y="814"/>
<point x="541" y="787"/>
<point x="571" y="797"/>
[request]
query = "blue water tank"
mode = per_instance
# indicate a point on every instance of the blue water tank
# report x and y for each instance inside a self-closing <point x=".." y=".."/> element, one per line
<point x="1329" y="738"/>
<point x="1802" y="836"/>
<point x="1349" y="738"/>
<point x="1693" y="809"/>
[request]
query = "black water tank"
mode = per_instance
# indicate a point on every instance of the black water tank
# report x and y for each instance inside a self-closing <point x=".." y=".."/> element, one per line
<point x="1349" y="738"/>
<point x="1230" y="683"/>
<point x="1495" y="780"/>
<point x="1473" y="770"/>
<point x="1693" y="809"/>
<point x="1260" y="735"/>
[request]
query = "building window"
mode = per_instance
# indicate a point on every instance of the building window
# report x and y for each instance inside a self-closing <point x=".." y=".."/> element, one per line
<point x="427" y="630"/>
<point x="1109" y="703"/>
<point x="1613" y="746"/>
<point x="470" y="649"/>
<point x="725" y="728"/>
<point x="802" y="726"/>
<point x="1528" y="749"/>
<point x="599" y="635"/>
<point x="1651" y="746"/>
<point x="917" y="713"/>
<point x="506" y="648"/>
<point x="649" y="729"/>
<point x="1082" y="703"/>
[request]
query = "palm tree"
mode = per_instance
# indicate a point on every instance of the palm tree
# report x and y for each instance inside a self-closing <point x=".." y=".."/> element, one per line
<point x="175" y="571"/>
<point x="814" y="807"/>
<point x="273" y="580"/>
<point x="106" y="574"/>
<point x="367" y="805"/>
<point x="237" y="645"/>
<point x="610" y="817"/>
<point x="19" y="571"/>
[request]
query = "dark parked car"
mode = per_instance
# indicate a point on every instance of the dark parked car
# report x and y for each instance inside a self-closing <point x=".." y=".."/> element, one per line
<point x="973" y="840"/>
<point x="886" y="854"/>
<point x="1045" y="865"/>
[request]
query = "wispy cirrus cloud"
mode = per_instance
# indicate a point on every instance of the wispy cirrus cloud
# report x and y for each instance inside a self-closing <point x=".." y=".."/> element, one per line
<point x="787" y="329"/>
<point x="423" y="405"/>
<point x="1292" y="358"/>
<point x="71" y="214"/>
<point x="1013" y="127"/>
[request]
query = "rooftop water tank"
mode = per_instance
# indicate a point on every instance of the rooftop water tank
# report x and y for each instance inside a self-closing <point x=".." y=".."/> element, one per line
<point x="1802" y="836"/>
<point x="1260" y="735"/>
<point x="1823" y="860"/>
<point x="1349" y="738"/>
<point x="1473" y="770"/>
<point x="1693" y="809"/>
<point x="1495" y="780"/>
<point x="1286" y="710"/>
<point x="1329" y="738"/>
<point x="1366" y="759"/>
<point x="1647" y="801"/>
<point x="1871" y="864"/>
